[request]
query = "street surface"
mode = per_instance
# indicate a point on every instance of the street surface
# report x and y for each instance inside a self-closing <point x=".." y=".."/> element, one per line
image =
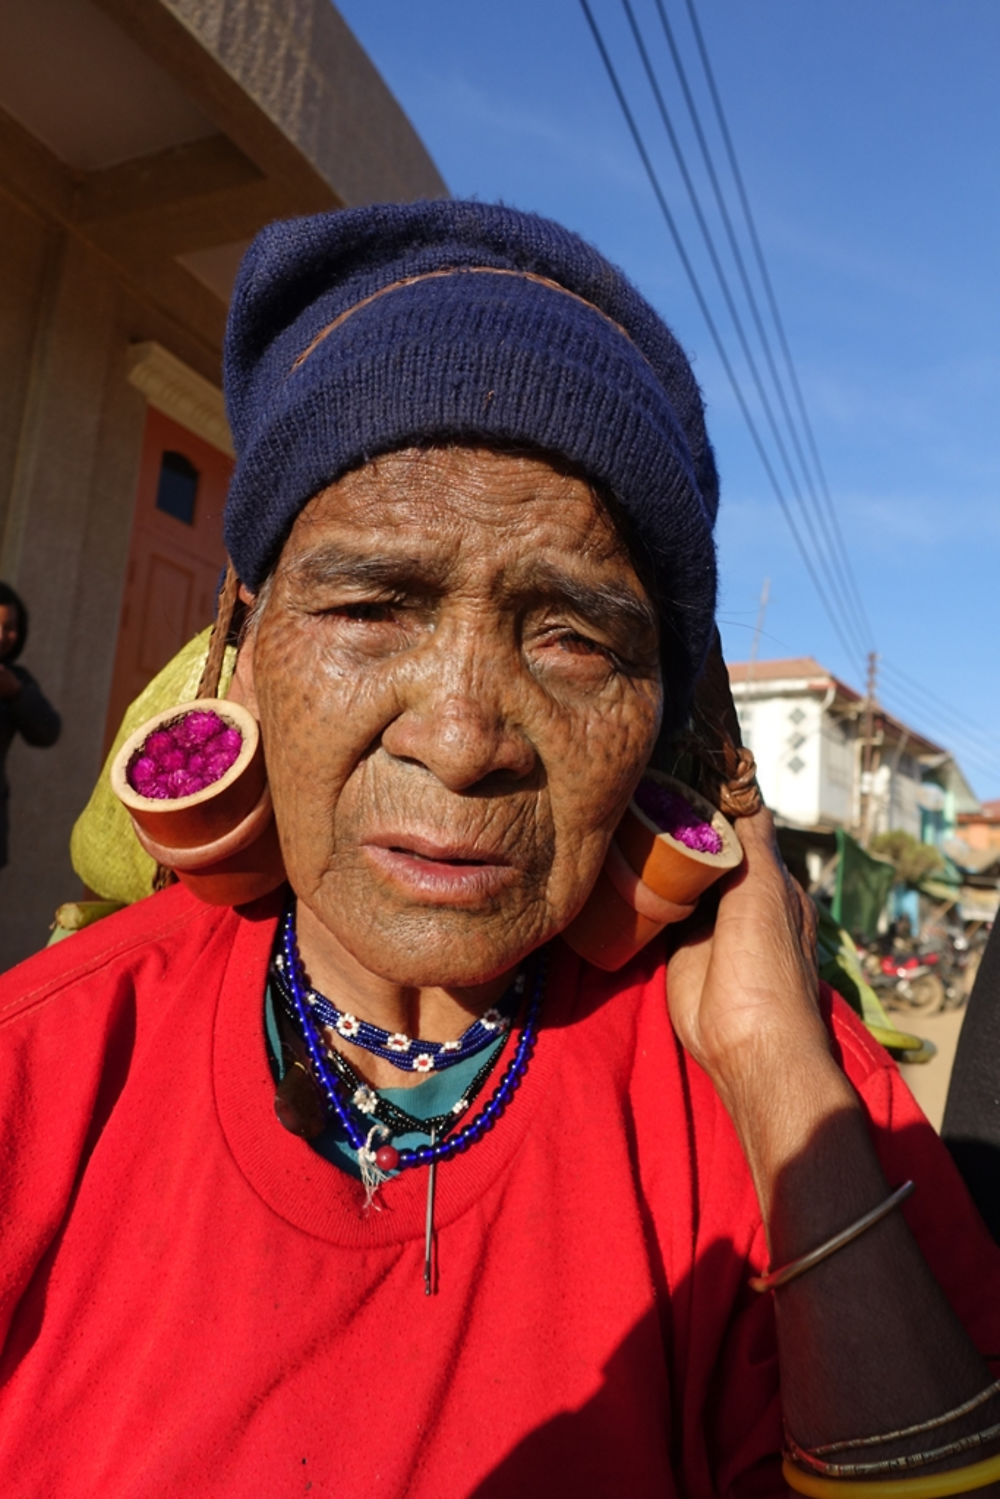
<point x="928" y="1081"/>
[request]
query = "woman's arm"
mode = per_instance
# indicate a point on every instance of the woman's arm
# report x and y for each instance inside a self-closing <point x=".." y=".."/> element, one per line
<point x="867" y="1341"/>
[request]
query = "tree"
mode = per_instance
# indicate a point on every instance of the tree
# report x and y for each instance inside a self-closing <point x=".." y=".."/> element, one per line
<point x="913" y="860"/>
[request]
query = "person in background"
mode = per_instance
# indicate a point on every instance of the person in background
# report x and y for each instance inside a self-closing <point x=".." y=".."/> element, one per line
<point x="24" y="709"/>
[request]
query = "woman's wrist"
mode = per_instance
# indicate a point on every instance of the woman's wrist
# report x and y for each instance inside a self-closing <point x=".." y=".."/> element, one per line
<point x="781" y="1100"/>
<point x="778" y="1065"/>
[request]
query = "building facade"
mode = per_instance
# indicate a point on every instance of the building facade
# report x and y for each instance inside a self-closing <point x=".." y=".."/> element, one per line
<point x="980" y="829"/>
<point x="824" y="762"/>
<point x="141" y="146"/>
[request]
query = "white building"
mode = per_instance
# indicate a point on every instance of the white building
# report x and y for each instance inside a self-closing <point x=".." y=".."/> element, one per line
<point x="808" y="732"/>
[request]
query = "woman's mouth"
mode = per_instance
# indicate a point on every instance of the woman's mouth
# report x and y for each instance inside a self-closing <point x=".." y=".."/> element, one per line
<point x="440" y="873"/>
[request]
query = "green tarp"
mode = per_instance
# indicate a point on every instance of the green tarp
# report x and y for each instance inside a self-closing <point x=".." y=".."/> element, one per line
<point x="863" y="883"/>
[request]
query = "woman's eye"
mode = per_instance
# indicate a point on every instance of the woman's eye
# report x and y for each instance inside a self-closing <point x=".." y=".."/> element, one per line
<point x="365" y="611"/>
<point x="571" y="641"/>
<point x="581" y="650"/>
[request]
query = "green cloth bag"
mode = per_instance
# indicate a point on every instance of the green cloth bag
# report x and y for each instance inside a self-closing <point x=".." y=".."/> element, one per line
<point x="103" y="848"/>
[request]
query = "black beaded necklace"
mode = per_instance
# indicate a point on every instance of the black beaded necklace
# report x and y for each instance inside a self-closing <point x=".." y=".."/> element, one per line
<point x="373" y="1104"/>
<point x="387" y="1157"/>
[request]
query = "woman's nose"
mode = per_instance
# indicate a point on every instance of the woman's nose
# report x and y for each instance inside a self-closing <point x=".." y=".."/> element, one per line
<point x="462" y="737"/>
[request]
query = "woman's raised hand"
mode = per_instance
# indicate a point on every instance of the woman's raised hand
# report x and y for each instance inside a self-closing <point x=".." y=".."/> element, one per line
<point x="745" y="988"/>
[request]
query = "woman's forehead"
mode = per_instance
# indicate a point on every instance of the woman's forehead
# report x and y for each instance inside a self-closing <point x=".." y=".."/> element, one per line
<point x="431" y="501"/>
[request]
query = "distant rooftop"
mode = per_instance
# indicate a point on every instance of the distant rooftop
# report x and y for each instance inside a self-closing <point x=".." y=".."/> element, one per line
<point x="814" y="677"/>
<point x="794" y="668"/>
<point x="989" y="812"/>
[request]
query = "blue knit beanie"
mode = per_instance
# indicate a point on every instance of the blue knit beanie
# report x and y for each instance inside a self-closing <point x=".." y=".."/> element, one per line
<point x="358" y="332"/>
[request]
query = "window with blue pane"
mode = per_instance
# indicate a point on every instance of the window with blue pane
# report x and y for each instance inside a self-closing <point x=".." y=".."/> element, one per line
<point x="177" y="489"/>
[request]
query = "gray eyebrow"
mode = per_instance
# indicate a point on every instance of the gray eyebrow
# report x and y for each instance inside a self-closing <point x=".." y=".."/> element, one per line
<point x="606" y="603"/>
<point x="615" y="606"/>
<point x="330" y="563"/>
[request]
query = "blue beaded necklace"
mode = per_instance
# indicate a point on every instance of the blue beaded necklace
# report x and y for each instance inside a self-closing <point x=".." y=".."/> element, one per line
<point x="376" y="1161"/>
<point x="408" y="1053"/>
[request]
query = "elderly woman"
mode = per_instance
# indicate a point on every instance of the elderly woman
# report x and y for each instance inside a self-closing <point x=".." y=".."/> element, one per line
<point x="473" y="513"/>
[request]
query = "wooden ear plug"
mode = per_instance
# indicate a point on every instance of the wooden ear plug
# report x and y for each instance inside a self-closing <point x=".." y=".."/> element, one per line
<point x="194" y="782"/>
<point x="673" y="842"/>
<point x="669" y="847"/>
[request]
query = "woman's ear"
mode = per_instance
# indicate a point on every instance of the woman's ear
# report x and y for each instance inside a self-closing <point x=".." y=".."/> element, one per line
<point x="242" y="688"/>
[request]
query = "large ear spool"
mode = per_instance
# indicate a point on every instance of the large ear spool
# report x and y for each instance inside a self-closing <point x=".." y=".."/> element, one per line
<point x="675" y="839"/>
<point x="194" y="782"/>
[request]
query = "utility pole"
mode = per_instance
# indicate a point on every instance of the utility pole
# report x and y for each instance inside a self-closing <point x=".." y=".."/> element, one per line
<point x="868" y="755"/>
<point x="765" y="594"/>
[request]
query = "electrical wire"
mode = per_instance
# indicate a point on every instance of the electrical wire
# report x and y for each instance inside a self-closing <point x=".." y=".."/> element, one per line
<point x="720" y="348"/>
<point x="838" y="568"/>
<point x="772" y="301"/>
<point x="830" y="548"/>
<point x="972" y="741"/>
<point x="986" y="764"/>
<point x="949" y="708"/>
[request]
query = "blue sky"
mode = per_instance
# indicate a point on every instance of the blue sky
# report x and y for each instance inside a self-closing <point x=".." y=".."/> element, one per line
<point x="868" y="135"/>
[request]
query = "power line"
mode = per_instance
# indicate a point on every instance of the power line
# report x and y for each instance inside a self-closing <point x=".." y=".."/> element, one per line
<point x="984" y="764"/>
<point x="826" y="516"/>
<point x="775" y="313"/>
<point x="975" y="744"/>
<point x="927" y="703"/>
<point x="823" y="557"/>
<point x="916" y="686"/>
<point x="985" y="761"/>
<point x="710" y="323"/>
<point x="830" y="550"/>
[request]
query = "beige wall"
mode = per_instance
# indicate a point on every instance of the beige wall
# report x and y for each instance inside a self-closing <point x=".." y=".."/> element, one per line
<point x="302" y="65"/>
<point x="127" y="192"/>
<point x="67" y="490"/>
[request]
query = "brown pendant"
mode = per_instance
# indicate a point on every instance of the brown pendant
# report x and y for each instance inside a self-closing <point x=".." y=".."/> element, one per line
<point x="298" y="1104"/>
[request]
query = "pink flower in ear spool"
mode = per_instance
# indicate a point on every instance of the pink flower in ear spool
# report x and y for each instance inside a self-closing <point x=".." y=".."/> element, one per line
<point x="220" y="839"/>
<point x="652" y="878"/>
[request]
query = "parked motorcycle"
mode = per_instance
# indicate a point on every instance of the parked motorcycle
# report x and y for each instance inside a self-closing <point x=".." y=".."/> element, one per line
<point x="961" y="954"/>
<point x="907" y="983"/>
<point x="928" y="978"/>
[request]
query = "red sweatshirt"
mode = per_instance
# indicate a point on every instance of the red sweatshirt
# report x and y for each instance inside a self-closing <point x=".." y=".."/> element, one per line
<point x="195" y="1304"/>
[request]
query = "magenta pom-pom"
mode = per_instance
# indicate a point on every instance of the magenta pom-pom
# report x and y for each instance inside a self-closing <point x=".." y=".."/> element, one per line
<point x="675" y="816"/>
<point x="143" y="771"/>
<point x="229" y="742"/>
<point x="159" y="744"/>
<point x="178" y="783"/>
<point x="194" y="730"/>
<point x="186" y="756"/>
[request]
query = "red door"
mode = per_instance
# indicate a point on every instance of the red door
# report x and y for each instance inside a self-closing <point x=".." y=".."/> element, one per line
<point x="175" y="556"/>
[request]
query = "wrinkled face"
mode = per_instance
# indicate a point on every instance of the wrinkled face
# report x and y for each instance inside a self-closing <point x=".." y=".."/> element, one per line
<point x="456" y="672"/>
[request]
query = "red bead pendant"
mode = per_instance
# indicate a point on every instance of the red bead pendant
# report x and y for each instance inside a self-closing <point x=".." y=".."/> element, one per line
<point x="387" y="1158"/>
